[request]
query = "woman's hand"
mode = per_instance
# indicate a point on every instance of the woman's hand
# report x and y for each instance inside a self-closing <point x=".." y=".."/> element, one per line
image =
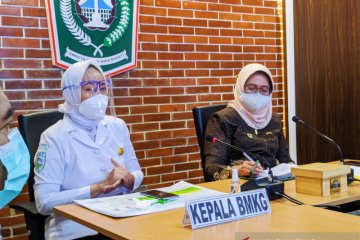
<point x="244" y="169"/>
<point x="118" y="176"/>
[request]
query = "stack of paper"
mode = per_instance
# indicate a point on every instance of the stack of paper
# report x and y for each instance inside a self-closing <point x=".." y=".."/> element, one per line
<point x="135" y="204"/>
<point x="281" y="171"/>
<point x="356" y="172"/>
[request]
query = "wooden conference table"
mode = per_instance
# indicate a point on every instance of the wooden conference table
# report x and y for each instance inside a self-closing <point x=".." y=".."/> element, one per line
<point x="285" y="217"/>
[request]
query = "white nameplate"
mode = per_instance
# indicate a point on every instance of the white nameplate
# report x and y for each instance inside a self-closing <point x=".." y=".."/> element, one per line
<point x="215" y="210"/>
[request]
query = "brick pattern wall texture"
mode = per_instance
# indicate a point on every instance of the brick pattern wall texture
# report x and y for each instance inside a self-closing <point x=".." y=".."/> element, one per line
<point x="189" y="52"/>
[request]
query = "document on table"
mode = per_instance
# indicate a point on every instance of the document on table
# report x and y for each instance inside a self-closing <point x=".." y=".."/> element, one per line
<point x="281" y="171"/>
<point x="356" y="172"/>
<point x="135" y="204"/>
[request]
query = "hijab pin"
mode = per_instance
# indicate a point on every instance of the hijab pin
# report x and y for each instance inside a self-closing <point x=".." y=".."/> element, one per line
<point x="120" y="151"/>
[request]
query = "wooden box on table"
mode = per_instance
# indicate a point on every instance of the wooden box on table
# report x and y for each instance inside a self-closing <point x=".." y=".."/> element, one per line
<point x="321" y="179"/>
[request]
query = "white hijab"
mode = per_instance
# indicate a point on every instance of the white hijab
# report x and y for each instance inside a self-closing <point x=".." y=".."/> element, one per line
<point x="73" y="76"/>
<point x="260" y="119"/>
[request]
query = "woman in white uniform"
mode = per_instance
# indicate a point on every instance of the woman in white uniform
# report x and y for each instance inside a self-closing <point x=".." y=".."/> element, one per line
<point x="84" y="155"/>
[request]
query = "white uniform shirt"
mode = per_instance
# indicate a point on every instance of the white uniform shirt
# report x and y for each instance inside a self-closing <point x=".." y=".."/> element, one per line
<point x="68" y="161"/>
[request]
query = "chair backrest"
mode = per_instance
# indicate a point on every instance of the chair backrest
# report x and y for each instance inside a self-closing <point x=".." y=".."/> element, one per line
<point x="201" y="116"/>
<point x="31" y="126"/>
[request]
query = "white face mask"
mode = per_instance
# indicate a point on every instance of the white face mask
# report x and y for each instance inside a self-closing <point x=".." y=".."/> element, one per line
<point x="255" y="102"/>
<point x="94" y="108"/>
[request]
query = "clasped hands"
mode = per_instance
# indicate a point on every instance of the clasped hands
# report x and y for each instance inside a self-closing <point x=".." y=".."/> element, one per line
<point x="117" y="176"/>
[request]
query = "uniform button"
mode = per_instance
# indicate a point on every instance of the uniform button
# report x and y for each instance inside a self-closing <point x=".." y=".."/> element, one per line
<point x="96" y="152"/>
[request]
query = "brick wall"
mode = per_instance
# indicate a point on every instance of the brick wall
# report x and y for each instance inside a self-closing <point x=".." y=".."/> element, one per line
<point x="189" y="53"/>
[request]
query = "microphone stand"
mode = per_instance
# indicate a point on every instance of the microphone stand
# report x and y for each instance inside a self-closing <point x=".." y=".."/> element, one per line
<point x="297" y="120"/>
<point x="272" y="185"/>
<point x="350" y="176"/>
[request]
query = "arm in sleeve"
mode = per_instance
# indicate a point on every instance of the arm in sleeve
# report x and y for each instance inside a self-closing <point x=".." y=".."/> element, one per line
<point x="131" y="162"/>
<point x="49" y="175"/>
<point x="216" y="154"/>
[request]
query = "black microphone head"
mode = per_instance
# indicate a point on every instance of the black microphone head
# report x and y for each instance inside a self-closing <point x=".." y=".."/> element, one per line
<point x="210" y="138"/>
<point x="298" y="120"/>
<point x="295" y="119"/>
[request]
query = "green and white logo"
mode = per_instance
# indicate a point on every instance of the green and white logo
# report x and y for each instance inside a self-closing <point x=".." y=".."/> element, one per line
<point x="102" y="29"/>
<point x="40" y="157"/>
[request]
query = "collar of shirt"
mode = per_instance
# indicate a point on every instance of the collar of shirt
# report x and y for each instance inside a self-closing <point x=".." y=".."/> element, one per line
<point x="81" y="135"/>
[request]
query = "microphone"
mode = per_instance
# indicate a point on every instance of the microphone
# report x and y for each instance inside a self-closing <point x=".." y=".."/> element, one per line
<point x="342" y="161"/>
<point x="298" y="120"/>
<point x="272" y="186"/>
